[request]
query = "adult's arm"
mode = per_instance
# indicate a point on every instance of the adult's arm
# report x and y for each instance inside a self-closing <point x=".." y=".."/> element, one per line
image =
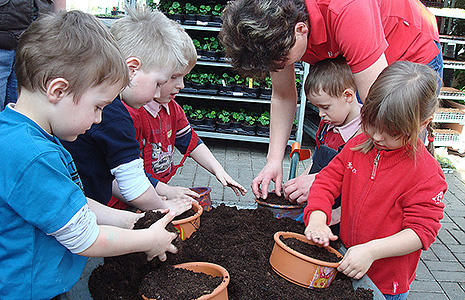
<point x="283" y="107"/>
<point x="364" y="79"/>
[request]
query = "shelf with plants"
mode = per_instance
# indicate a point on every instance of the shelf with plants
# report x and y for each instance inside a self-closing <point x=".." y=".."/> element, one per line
<point x="213" y="81"/>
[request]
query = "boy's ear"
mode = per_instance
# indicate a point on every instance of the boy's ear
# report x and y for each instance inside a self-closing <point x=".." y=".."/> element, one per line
<point x="349" y="95"/>
<point x="134" y="64"/>
<point x="301" y="28"/>
<point x="57" y="89"/>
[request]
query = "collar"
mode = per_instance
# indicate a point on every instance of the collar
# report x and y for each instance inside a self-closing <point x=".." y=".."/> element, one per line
<point x="348" y="130"/>
<point x="153" y="107"/>
<point x="317" y="32"/>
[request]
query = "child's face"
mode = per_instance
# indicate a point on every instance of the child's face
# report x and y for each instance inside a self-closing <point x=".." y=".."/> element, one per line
<point x="332" y="110"/>
<point x="172" y="87"/>
<point x="145" y="87"/>
<point x="383" y="140"/>
<point x="71" y="119"/>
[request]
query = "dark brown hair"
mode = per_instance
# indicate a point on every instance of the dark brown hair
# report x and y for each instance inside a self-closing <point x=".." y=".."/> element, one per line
<point x="257" y="35"/>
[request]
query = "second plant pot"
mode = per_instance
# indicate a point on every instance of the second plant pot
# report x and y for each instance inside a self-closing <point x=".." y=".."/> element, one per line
<point x="186" y="227"/>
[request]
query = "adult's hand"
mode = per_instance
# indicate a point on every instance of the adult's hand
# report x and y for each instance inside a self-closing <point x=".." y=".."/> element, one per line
<point x="273" y="171"/>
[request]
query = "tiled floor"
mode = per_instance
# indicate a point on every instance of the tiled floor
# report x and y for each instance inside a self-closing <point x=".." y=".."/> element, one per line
<point x="441" y="272"/>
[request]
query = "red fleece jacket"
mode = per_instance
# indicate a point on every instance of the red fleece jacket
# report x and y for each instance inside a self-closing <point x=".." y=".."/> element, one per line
<point x="379" y="200"/>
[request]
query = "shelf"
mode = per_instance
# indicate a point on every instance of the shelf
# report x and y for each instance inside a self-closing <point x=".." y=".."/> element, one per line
<point x="224" y="98"/>
<point x="452" y="64"/>
<point x="456" y="13"/>
<point x="449" y="115"/>
<point x="236" y="137"/>
<point x="201" y="28"/>
<point x="213" y="64"/>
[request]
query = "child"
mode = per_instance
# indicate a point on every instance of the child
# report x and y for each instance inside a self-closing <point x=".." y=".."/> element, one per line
<point x="392" y="187"/>
<point x="162" y="125"/>
<point x="109" y="150"/>
<point x="68" y="69"/>
<point x="330" y="86"/>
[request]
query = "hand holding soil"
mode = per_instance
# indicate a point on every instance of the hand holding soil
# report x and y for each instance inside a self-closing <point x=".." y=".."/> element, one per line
<point x="271" y="172"/>
<point x="159" y="239"/>
<point x="317" y="230"/>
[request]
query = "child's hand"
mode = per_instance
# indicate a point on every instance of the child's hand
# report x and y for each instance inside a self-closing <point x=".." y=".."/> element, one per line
<point x="356" y="261"/>
<point x="178" y="206"/>
<point x="226" y="180"/>
<point x="178" y="192"/>
<point x="317" y="230"/>
<point x="296" y="190"/>
<point x="160" y="238"/>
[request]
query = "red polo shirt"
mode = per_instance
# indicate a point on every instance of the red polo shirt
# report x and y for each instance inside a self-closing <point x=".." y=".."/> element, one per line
<point x="361" y="30"/>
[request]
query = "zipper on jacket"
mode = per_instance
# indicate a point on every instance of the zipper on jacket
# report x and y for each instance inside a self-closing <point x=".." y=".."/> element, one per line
<point x="375" y="165"/>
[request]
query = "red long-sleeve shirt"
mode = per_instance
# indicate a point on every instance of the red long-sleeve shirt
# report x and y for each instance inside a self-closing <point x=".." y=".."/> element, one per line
<point x="379" y="200"/>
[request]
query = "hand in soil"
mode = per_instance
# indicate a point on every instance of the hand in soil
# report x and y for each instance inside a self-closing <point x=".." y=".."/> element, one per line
<point x="159" y="239"/>
<point x="356" y="261"/>
<point x="317" y="230"/>
<point x="296" y="190"/>
<point x="271" y="172"/>
<point x="176" y="192"/>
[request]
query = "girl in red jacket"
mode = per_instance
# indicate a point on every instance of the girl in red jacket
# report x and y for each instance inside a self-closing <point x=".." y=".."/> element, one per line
<point x="392" y="187"/>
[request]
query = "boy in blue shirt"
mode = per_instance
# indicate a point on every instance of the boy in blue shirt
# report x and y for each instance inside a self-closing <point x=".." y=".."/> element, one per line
<point x="68" y="69"/>
<point x="107" y="155"/>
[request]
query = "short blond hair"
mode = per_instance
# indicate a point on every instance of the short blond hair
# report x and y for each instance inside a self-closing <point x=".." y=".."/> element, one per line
<point x="72" y="45"/>
<point x="151" y="37"/>
<point x="187" y="49"/>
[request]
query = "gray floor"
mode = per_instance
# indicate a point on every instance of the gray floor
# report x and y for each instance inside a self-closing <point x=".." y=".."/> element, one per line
<point x="441" y="272"/>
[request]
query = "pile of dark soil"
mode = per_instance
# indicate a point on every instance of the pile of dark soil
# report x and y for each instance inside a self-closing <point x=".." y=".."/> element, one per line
<point x="169" y="283"/>
<point x="309" y="250"/>
<point x="278" y="200"/>
<point x="239" y="240"/>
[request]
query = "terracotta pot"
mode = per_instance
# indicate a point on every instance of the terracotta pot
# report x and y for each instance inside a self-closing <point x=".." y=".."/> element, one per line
<point x="294" y="212"/>
<point x="221" y="292"/>
<point x="189" y="225"/>
<point x="299" y="268"/>
<point x="204" y="199"/>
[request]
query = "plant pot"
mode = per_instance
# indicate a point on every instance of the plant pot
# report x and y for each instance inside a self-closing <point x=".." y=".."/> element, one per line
<point x="204" y="197"/>
<point x="248" y="129"/>
<point x="225" y="90"/>
<point x="219" y="293"/>
<point x="204" y="18"/>
<point x="186" y="227"/>
<point x="223" y="127"/>
<point x="279" y="211"/>
<point x="176" y="17"/>
<point x="207" y="55"/>
<point x="217" y="19"/>
<point x="251" y="92"/>
<point x="263" y="130"/>
<point x="299" y="268"/>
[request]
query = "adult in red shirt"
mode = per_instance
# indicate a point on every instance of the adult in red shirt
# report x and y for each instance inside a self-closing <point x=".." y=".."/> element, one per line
<point x="261" y="36"/>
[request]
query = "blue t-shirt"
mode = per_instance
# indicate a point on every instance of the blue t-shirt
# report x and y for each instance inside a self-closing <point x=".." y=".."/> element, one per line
<point x="103" y="147"/>
<point x="40" y="192"/>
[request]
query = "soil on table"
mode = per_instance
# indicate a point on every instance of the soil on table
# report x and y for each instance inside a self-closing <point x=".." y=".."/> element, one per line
<point x="278" y="200"/>
<point x="240" y="240"/>
<point x="309" y="250"/>
<point x="169" y="283"/>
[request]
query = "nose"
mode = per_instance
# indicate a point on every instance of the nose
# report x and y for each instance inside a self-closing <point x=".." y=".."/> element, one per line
<point x="321" y="113"/>
<point x="180" y="84"/>
<point x="157" y="93"/>
<point x="377" y="136"/>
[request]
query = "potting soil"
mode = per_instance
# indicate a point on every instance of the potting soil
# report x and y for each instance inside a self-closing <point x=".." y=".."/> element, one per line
<point x="240" y="240"/>
<point x="309" y="250"/>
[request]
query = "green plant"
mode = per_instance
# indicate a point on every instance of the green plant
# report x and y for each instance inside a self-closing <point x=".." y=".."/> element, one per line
<point x="267" y="82"/>
<point x="190" y="9"/>
<point x="205" y="9"/>
<point x="197" y="44"/>
<point x="224" y="117"/>
<point x="227" y="79"/>
<point x="239" y="80"/>
<point x="187" y="108"/>
<point x="175" y="8"/>
<point x="250" y="120"/>
<point x="196" y="114"/>
<point x="211" y="44"/>
<point x="217" y="10"/>
<point x="238" y="116"/>
<point x="445" y="162"/>
<point x="211" y="114"/>
<point x="264" y="120"/>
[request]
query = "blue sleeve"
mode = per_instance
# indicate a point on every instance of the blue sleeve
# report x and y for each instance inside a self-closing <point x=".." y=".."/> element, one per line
<point x="182" y="142"/>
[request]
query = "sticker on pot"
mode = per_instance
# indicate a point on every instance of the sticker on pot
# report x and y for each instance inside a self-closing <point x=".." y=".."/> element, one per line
<point x="323" y="277"/>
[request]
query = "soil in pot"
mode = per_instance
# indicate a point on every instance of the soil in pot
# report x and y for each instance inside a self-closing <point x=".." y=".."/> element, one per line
<point x="170" y="283"/>
<point x="240" y="240"/>
<point x="185" y="215"/>
<point x="275" y="199"/>
<point x="312" y="251"/>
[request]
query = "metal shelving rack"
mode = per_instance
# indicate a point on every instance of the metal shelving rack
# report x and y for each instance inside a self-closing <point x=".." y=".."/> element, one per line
<point x="300" y="112"/>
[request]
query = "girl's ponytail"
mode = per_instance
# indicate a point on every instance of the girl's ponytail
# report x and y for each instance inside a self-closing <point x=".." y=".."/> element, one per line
<point x="430" y="138"/>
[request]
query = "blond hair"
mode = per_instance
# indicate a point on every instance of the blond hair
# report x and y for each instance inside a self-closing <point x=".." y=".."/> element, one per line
<point x="401" y="99"/>
<point x="151" y="37"/>
<point x="72" y="45"/>
<point x="332" y="76"/>
<point x="188" y="50"/>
